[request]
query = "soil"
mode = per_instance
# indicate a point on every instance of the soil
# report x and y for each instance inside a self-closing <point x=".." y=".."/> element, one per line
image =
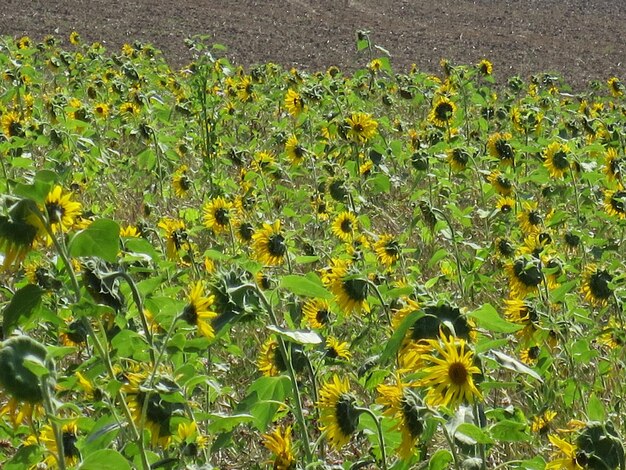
<point x="580" y="40"/>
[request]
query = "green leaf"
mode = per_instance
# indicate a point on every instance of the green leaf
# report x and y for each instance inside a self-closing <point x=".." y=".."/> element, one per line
<point x="100" y="239"/>
<point x="23" y="304"/>
<point x="475" y="434"/>
<point x="36" y="366"/>
<point x="509" y="431"/>
<point x="489" y="318"/>
<point x="307" y="286"/>
<point x="393" y="345"/>
<point x="380" y="183"/>
<point x="265" y="396"/>
<point x="536" y="463"/>
<point x="297" y="336"/>
<point x="226" y="423"/>
<point x="106" y="459"/>
<point x="42" y="184"/>
<point x="511" y="363"/>
<point x="595" y="409"/>
<point x="440" y="460"/>
<point x="26" y="457"/>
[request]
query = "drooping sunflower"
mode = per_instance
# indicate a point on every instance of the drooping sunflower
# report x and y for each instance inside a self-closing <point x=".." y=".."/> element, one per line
<point x="458" y="159"/>
<point x="501" y="183"/>
<point x="198" y="310"/>
<point x="294" y="103"/>
<point x="614" y="165"/>
<point x="335" y="349"/>
<point x="525" y="275"/>
<point x="279" y="443"/>
<point x="541" y="424"/>
<point x="530" y="218"/>
<point x="616" y="87"/>
<point x="403" y="406"/>
<point x="244" y="231"/>
<point x="263" y="162"/>
<point x="615" y="203"/>
<point x="295" y="151"/>
<point x="191" y="441"/>
<point x="181" y="181"/>
<point x="499" y="147"/>
<point x="613" y="335"/>
<point x="565" y="458"/>
<point x="344" y="226"/>
<point x="442" y="112"/>
<point x="361" y="127"/>
<point x="387" y="250"/>
<point x="270" y="361"/>
<point x="46" y="437"/>
<point x="217" y="214"/>
<point x="504" y="248"/>
<point x="75" y="38"/>
<point x="17" y="236"/>
<point x="269" y="244"/>
<point x="12" y="125"/>
<point x="338" y="414"/>
<point x="320" y="206"/>
<point x="175" y="237"/>
<point x="449" y="372"/>
<point x="556" y="159"/>
<point x="349" y="289"/>
<point x="317" y="313"/>
<point x="485" y="67"/>
<point x="595" y="287"/>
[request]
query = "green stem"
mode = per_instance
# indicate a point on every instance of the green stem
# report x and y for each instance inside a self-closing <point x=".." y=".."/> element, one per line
<point x="379" y="429"/>
<point x="50" y="412"/>
<point x="457" y="256"/>
<point x="457" y="463"/>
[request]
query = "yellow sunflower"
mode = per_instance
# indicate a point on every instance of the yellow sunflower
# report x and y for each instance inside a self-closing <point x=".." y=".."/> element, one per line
<point x="17" y="236"/>
<point x="449" y="373"/>
<point x="74" y="38"/>
<point x="530" y="355"/>
<point x="129" y="109"/>
<point x="181" y="181"/>
<point x="485" y="67"/>
<point x="198" y="310"/>
<point x="217" y="213"/>
<point x="616" y="87"/>
<point x="338" y="415"/>
<point x="613" y="335"/>
<point x="525" y="275"/>
<point x="244" y="231"/>
<point x="12" y="125"/>
<point x="60" y="210"/>
<point x="101" y="110"/>
<point x="279" y="443"/>
<point x="175" y="237"/>
<point x="294" y="103"/>
<point x="566" y="458"/>
<point x="320" y="207"/>
<point x="336" y="349"/>
<point x="442" y="112"/>
<point x="129" y="231"/>
<point x="458" y="159"/>
<point x="613" y="165"/>
<point x="361" y="127"/>
<point x="387" y="250"/>
<point x="501" y="183"/>
<point x="615" y="203"/>
<point x="505" y="204"/>
<point x="403" y="406"/>
<point x="344" y="226"/>
<point x="269" y="244"/>
<point x="595" y="288"/>
<point x="530" y="218"/>
<point x="317" y="313"/>
<point x="350" y="291"/>
<point x="295" y="151"/>
<point x="541" y="423"/>
<point x="46" y="437"/>
<point x="499" y="147"/>
<point x="190" y="439"/>
<point x="270" y="361"/>
<point x="556" y="159"/>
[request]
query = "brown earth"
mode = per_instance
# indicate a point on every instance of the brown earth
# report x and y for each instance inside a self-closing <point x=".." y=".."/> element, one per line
<point x="581" y="40"/>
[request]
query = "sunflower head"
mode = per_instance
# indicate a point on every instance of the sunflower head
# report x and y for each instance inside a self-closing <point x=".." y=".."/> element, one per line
<point x="338" y="413"/>
<point x="615" y="203"/>
<point x="525" y="275"/>
<point x="596" y="286"/>
<point x="335" y="349"/>
<point x="181" y="182"/>
<point x="387" y="250"/>
<point x="269" y="244"/>
<point x="199" y="310"/>
<point x="345" y="226"/>
<point x="361" y="127"/>
<point x="499" y="147"/>
<point x="317" y="313"/>
<point x="442" y="112"/>
<point x="279" y="443"/>
<point x="294" y="103"/>
<point x="557" y="159"/>
<point x="217" y="214"/>
<point x="485" y="67"/>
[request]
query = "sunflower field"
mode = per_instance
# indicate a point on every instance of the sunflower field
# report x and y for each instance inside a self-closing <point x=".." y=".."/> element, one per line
<point x="220" y="267"/>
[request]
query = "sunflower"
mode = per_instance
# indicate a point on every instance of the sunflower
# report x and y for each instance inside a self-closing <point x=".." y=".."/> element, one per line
<point x="181" y="181"/>
<point x="387" y="250"/>
<point x="70" y="437"/>
<point x="615" y="203"/>
<point x="101" y="110"/>
<point x="279" y="443"/>
<point x="566" y="458"/>
<point x="613" y="335"/>
<point x="403" y="406"/>
<point x="336" y="349"/>
<point x="504" y="248"/>
<point x="175" y="236"/>
<point x="615" y="87"/>
<point x="458" y="159"/>
<point x="12" y="125"/>
<point x="130" y="231"/>
<point x="217" y="213"/>
<point x="530" y="355"/>
<point x="499" y="147"/>
<point x="375" y="65"/>
<point x="17" y="236"/>
<point x="350" y="292"/>
<point x="129" y="109"/>
<point x="74" y="38"/>
<point x="613" y="165"/>
<point x="190" y="439"/>
<point x="442" y="112"/>
<point x="344" y="226"/>
<point x="505" y="204"/>
<point x="530" y="218"/>
<point x="596" y="288"/>
<point x="556" y="159"/>
<point x="316" y="313"/>
<point x="524" y="276"/>
<point x="338" y="414"/>
<point x="263" y="162"/>
<point x="448" y="373"/>
<point x="502" y="185"/>
<point x="24" y="42"/>
<point x="541" y="423"/>
<point x="198" y="310"/>
<point x="245" y="89"/>
<point x="485" y="67"/>
<point x="294" y="103"/>
<point x="320" y="207"/>
<point x="361" y="127"/>
<point x="269" y="244"/>
<point x="74" y="335"/>
<point x="295" y="151"/>
<point x="270" y="361"/>
<point x="19" y="411"/>
<point x="61" y="211"/>
<point x="244" y="231"/>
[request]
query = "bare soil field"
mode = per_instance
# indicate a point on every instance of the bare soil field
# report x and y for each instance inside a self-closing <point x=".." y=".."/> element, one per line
<point x="580" y="40"/>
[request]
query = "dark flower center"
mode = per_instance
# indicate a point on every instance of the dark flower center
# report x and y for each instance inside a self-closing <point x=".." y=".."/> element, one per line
<point x="246" y="230"/>
<point x="392" y="249"/>
<point x="221" y="216"/>
<point x="572" y="239"/>
<point x="528" y="274"/>
<point x="504" y="182"/>
<point x="457" y="373"/>
<point x="618" y="202"/>
<point x="55" y="212"/>
<point x="460" y="156"/>
<point x="332" y="352"/>
<point x="599" y="284"/>
<point x="559" y="160"/>
<point x="298" y="151"/>
<point x="504" y="149"/>
<point x="69" y="445"/>
<point x="358" y="128"/>
<point x="276" y="245"/>
<point x="533" y="352"/>
<point x="534" y="218"/>
<point x="355" y="289"/>
<point x="322" y="316"/>
<point x="347" y="416"/>
<point x="411" y="416"/>
<point x="15" y="129"/>
<point x="190" y="314"/>
<point x="505" y="247"/>
<point x="185" y="183"/>
<point x="443" y="111"/>
<point x="346" y="226"/>
<point x="77" y="332"/>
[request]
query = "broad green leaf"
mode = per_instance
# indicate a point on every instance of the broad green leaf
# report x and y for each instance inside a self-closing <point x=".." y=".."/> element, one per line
<point x="226" y="423"/>
<point x="307" y="286"/>
<point x="380" y="183"/>
<point x="23" y="304"/>
<point x="509" y="431"/>
<point x="105" y="459"/>
<point x="475" y="434"/>
<point x="100" y="239"/>
<point x="536" y="463"/>
<point x="39" y="189"/>
<point x="511" y="363"/>
<point x="297" y="336"/>
<point x="26" y="457"/>
<point x="489" y="318"/>
<point x="440" y="460"/>
<point x="595" y="409"/>
<point x="394" y="343"/>
<point x="264" y="397"/>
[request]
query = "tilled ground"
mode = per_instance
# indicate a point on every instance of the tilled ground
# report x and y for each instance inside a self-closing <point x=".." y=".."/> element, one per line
<point x="581" y="40"/>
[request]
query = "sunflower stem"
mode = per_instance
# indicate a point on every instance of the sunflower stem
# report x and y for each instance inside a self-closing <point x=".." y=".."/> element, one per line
<point x="455" y="457"/>
<point x="51" y="412"/>
<point x="292" y="376"/>
<point x="379" y="430"/>
<point x="457" y="256"/>
<point x="576" y="196"/>
<point x="374" y="287"/>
